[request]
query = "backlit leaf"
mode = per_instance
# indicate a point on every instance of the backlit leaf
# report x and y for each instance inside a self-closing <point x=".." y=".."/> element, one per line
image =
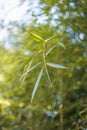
<point x="36" y="84"/>
<point x="32" y="68"/>
<point x="50" y="50"/>
<point x="27" y="71"/>
<point x="50" y="38"/>
<point x="61" y="44"/>
<point x="55" y="65"/>
<point x="36" y="37"/>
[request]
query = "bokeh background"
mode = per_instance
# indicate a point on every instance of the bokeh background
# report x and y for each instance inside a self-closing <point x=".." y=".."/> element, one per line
<point x="38" y="38"/>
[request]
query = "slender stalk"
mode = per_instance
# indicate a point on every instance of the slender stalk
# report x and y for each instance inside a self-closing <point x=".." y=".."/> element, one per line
<point x="61" y="114"/>
<point x="61" y="106"/>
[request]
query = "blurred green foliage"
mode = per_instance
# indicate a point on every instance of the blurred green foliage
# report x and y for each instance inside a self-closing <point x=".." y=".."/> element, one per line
<point x="60" y="95"/>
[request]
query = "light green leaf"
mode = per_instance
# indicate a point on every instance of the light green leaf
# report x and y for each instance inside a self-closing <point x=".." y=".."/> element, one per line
<point x="32" y="68"/>
<point x="27" y="71"/>
<point x="50" y="50"/>
<point x="50" y="38"/>
<point x="36" y="84"/>
<point x="36" y="37"/>
<point x="57" y="34"/>
<point x="61" y="44"/>
<point x="25" y="74"/>
<point x="61" y="32"/>
<point x="55" y="65"/>
<point x="42" y="28"/>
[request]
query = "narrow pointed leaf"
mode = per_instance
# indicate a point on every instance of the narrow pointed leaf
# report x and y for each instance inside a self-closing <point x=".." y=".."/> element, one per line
<point x="30" y="69"/>
<point x="61" y="32"/>
<point x="43" y="28"/>
<point x="36" y="84"/>
<point x="50" y="38"/>
<point x="36" y="37"/>
<point x="27" y="71"/>
<point x="25" y="74"/>
<point x="50" y="50"/>
<point x="55" y="65"/>
<point x="61" y="44"/>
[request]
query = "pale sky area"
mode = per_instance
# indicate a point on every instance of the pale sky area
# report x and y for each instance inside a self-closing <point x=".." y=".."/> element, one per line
<point x="11" y="10"/>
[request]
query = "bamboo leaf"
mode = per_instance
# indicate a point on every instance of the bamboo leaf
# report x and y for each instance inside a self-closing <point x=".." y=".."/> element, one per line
<point x="57" y="34"/>
<point x="36" y="84"/>
<point x="50" y="38"/>
<point x="36" y="37"/>
<point x="50" y="50"/>
<point x="24" y="75"/>
<point x="61" y="32"/>
<point x="27" y="71"/>
<point x="30" y="69"/>
<point x="55" y="65"/>
<point x="61" y="44"/>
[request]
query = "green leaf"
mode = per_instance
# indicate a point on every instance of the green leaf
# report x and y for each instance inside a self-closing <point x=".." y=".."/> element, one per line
<point x="32" y="68"/>
<point x="50" y="50"/>
<point x="25" y="74"/>
<point x="50" y="38"/>
<point x="61" y="44"/>
<point x="36" y="37"/>
<point x="36" y="84"/>
<point x="57" y="34"/>
<point x="61" y="32"/>
<point x="43" y="28"/>
<point x="55" y="65"/>
<point x="27" y="71"/>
